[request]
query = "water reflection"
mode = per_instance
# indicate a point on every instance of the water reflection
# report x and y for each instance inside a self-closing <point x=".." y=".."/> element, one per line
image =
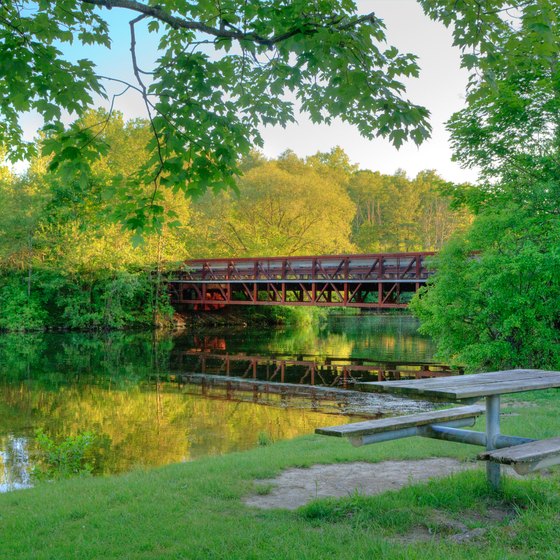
<point x="308" y="370"/>
<point x="133" y="388"/>
<point x="14" y="463"/>
<point x="382" y="338"/>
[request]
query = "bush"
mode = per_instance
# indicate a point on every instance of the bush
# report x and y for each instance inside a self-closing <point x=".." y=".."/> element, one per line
<point x="73" y="456"/>
<point x="18" y="311"/>
<point x="82" y="302"/>
<point x="494" y="302"/>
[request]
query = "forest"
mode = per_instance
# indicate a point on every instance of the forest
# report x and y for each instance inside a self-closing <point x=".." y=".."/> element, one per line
<point x="87" y="233"/>
<point x="66" y="261"/>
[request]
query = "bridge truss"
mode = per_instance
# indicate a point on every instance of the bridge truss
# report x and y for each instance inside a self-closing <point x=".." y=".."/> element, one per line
<point x="384" y="280"/>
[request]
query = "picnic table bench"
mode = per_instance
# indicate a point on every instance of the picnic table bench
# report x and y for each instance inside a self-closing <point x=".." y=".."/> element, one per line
<point x="524" y="454"/>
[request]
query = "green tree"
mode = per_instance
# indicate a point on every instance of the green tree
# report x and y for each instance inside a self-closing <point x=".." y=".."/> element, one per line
<point x="335" y="165"/>
<point x="513" y="102"/>
<point x="64" y="262"/>
<point x="23" y="200"/>
<point x="493" y="302"/>
<point x="397" y="214"/>
<point x="402" y="228"/>
<point x="223" y="70"/>
<point x="509" y="128"/>
<point x="439" y="218"/>
<point x="369" y="192"/>
<point x="284" y="207"/>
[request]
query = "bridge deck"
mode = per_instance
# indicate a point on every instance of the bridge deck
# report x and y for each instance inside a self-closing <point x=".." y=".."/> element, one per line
<point x="368" y="280"/>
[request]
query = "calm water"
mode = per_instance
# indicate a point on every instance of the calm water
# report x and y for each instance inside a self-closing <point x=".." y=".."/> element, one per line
<point x="131" y="389"/>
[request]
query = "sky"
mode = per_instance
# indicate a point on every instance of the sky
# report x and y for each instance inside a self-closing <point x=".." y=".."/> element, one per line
<point x="440" y="88"/>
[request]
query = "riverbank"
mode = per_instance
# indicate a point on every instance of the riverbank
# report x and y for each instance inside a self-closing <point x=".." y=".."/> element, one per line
<point x="196" y="510"/>
<point x="138" y="311"/>
<point x="245" y="316"/>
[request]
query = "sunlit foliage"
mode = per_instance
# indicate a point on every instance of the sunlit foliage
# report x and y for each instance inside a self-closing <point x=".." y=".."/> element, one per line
<point x="324" y="204"/>
<point x="222" y="71"/>
<point x="395" y="213"/>
<point x="499" y="307"/>
<point x="284" y="207"/>
<point x="66" y="262"/>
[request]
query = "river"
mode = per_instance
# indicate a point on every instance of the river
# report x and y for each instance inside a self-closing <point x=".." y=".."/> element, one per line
<point x="160" y="398"/>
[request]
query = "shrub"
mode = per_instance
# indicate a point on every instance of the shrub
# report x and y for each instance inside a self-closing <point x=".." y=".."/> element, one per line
<point x="18" y="311"/>
<point x="73" y="456"/>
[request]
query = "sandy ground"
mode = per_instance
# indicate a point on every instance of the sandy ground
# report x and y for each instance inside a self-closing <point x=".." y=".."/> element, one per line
<point x="295" y="487"/>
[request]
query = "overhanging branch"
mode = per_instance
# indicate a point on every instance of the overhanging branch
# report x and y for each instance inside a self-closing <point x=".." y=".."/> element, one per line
<point x="227" y="31"/>
<point x="144" y="90"/>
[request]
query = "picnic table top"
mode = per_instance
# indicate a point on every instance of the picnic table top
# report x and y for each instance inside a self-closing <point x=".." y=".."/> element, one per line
<point x="470" y="386"/>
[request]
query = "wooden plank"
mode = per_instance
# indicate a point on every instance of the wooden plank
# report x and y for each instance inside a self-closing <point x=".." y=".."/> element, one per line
<point x="242" y="384"/>
<point x="528" y="456"/>
<point x="400" y="422"/>
<point x="479" y="378"/>
<point x="471" y="386"/>
<point x="478" y="391"/>
<point x="475" y="392"/>
<point x="506" y="388"/>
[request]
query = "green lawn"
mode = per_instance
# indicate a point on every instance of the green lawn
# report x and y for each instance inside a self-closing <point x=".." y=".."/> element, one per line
<point x="195" y="510"/>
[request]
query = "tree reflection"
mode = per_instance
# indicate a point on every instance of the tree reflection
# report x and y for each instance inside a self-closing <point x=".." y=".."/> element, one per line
<point x="120" y="386"/>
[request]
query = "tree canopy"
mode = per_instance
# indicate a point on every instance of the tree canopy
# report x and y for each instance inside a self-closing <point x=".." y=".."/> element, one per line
<point x="493" y="302"/>
<point x="509" y="128"/>
<point x="223" y="69"/>
<point x="65" y="262"/>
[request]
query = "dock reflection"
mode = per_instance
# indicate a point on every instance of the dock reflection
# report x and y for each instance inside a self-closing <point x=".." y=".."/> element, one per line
<point x="303" y="369"/>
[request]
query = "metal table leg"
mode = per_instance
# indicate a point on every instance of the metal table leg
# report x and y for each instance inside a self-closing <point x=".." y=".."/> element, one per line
<point x="492" y="433"/>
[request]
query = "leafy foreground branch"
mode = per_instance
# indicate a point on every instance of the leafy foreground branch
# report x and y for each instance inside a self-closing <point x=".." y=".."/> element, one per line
<point x="224" y="70"/>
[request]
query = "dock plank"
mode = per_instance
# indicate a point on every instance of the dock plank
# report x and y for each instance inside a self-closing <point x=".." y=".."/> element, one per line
<point x="400" y="422"/>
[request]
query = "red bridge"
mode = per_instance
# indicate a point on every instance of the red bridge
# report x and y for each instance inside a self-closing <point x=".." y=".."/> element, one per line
<point x="384" y="280"/>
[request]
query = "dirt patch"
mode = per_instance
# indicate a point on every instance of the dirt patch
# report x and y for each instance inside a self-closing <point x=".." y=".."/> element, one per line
<point x="494" y="515"/>
<point x="519" y="404"/>
<point x="295" y="487"/>
<point x="422" y="533"/>
<point x="417" y="534"/>
<point x="440" y="526"/>
<point x="467" y="536"/>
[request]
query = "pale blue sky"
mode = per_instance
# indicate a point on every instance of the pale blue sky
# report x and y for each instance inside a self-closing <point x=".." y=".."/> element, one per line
<point x="441" y="88"/>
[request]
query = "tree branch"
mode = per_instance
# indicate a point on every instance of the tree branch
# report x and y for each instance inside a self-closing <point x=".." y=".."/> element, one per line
<point x="227" y="31"/>
<point x="159" y="171"/>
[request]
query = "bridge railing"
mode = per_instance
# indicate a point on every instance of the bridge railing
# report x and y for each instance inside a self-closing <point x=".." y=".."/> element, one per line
<point x="368" y="267"/>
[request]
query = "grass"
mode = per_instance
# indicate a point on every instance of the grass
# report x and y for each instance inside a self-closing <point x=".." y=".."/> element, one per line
<point x="195" y="510"/>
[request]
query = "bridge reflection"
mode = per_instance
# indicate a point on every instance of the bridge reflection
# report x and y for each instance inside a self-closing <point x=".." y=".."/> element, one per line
<point x="314" y="383"/>
<point x="304" y="369"/>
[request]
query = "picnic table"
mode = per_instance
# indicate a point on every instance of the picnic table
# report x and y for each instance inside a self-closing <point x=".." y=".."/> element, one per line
<point x="524" y="454"/>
